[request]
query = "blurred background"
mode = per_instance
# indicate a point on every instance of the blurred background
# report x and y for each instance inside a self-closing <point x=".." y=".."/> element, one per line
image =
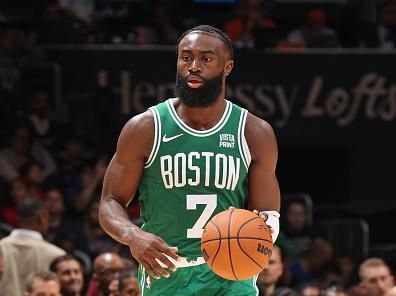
<point x="321" y="72"/>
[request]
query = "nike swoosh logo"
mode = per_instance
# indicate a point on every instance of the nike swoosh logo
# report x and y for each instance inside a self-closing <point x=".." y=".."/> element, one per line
<point x="166" y="139"/>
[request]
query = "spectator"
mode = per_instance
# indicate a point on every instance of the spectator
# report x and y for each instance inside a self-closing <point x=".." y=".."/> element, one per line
<point x="20" y="150"/>
<point x="308" y="289"/>
<point x="25" y="251"/>
<point x="11" y="64"/>
<point x="66" y="243"/>
<point x="376" y="278"/>
<point x="107" y="267"/>
<point x="74" y="156"/>
<point x="82" y="181"/>
<point x="98" y="241"/>
<point x="383" y="34"/>
<point x="249" y="21"/>
<point x="334" y="290"/>
<point x="60" y="224"/>
<point x="33" y="175"/>
<point x="18" y="191"/>
<point x="347" y="270"/>
<point x="83" y="10"/>
<point x="317" y="258"/>
<point x="70" y="275"/>
<point x="162" y="24"/>
<point x="268" y="279"/>
<point x="42" y="118"/>
<point x="43" y="283"/>
<point x="285" y="292"/>
<point x="59" y="26"/>
<point x="160" y="28"/>
<point x="91" y="182"/>
<point x="391" y="292"/>
<point x="296" y="233"/>
<point x="314" y="33"/>
<point x="127" y="284"/>
<point x="330" y="277"/>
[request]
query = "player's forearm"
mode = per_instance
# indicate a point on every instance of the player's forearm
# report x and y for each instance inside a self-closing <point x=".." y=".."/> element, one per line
<point x="115" y="221"/>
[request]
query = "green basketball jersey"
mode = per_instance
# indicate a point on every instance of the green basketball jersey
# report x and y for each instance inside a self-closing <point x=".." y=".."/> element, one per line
<point x="192" y="175"/>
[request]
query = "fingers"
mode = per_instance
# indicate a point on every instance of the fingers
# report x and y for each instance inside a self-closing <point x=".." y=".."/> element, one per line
<point x="157" y="263"/>
<point x="149" y="269"/>
<point x="173" y="249"/>
<point x="165" y="260"/>
<point x="171" y="252"/>
<point x="158" y="269"/>
<point x="265" y="217"/>
<point x="261" y="214"/>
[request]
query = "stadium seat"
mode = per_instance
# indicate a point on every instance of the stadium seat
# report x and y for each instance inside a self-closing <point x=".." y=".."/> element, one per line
<point x="347" y="235"/>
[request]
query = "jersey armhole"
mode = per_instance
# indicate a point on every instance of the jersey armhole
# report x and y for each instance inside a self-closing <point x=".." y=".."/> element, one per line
<point x="157" y="137"/>
<point x="243" y="146"/>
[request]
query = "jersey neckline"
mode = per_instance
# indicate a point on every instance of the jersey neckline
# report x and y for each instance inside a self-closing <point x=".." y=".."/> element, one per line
<point x="219" y="125"/>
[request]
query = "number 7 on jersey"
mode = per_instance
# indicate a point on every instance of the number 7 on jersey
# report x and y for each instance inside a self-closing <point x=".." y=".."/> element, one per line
<point x="210" y="200"/>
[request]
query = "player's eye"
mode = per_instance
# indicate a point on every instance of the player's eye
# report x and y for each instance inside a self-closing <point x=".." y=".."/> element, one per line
<point x="186" y="58"/>
<point x="207" y="59"/>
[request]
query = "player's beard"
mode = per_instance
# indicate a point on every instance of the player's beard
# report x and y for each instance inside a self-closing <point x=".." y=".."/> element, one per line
<point x="201" y="97"/>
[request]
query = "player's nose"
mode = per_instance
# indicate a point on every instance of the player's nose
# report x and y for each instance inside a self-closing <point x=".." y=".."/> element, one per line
<point x="195" y="66"/>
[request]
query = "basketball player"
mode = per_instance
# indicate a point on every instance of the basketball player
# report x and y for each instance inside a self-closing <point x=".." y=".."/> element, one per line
<point x="191" y="157"/>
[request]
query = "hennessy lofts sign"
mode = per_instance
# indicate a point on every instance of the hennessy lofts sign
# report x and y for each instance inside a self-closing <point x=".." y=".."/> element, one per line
<point x="345" y="102"/>
<point x="309" y="95"/>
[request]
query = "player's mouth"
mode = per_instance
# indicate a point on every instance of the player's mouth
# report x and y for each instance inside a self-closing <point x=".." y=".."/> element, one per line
<point x="194" y="81"/>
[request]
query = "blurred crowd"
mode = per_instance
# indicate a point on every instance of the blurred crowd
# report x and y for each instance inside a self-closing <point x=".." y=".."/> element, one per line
<point x="250" y="23"/>
<point x="51" y="170"/>
<point x="46" y="253"/>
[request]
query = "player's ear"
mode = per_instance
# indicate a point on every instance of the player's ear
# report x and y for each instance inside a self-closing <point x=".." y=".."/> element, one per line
<point x="228" y="67"/>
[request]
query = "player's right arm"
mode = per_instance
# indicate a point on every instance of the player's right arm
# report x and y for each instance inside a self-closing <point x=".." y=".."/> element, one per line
<point x="120" y="183"/>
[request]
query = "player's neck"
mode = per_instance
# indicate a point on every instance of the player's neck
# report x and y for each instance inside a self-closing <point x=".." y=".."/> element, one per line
<point x="201" y="118"/>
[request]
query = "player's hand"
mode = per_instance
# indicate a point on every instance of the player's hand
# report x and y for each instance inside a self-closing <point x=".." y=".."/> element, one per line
<point x="262" y="215"/>
<point x="149" y="249"/>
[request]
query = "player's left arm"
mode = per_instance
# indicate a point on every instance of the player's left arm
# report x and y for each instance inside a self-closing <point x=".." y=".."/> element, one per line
<point x="263" y="187"/>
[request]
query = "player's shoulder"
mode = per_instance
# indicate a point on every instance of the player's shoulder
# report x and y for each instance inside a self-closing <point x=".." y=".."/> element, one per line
<point x="257" y="127"/>
<point x="139" y="124"/>
<point x="137" y="131"/>
<point x="260" y="137"/>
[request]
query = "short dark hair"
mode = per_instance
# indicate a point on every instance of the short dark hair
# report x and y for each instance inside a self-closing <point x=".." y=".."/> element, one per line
<point x="126" y="274"/>
<point x="216" y="32"/>
<point x="54" y="264"/>
<point x="45" y="276"/>
<point x="24" y="169"/>
<point x="29" y="207"/>
<point x="305" y="285"/>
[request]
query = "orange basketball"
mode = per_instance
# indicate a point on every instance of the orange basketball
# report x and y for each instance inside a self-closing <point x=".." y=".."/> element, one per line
<point x="236" y="244"/>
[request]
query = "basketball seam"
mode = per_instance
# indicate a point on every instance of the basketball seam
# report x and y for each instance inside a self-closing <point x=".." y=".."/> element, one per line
<point x="240" y="246"/>
<point x="240" y="237"/>
<point x="249" y="255"/>
<point x="218" y="247"/>
<point x="229" y="244"/>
